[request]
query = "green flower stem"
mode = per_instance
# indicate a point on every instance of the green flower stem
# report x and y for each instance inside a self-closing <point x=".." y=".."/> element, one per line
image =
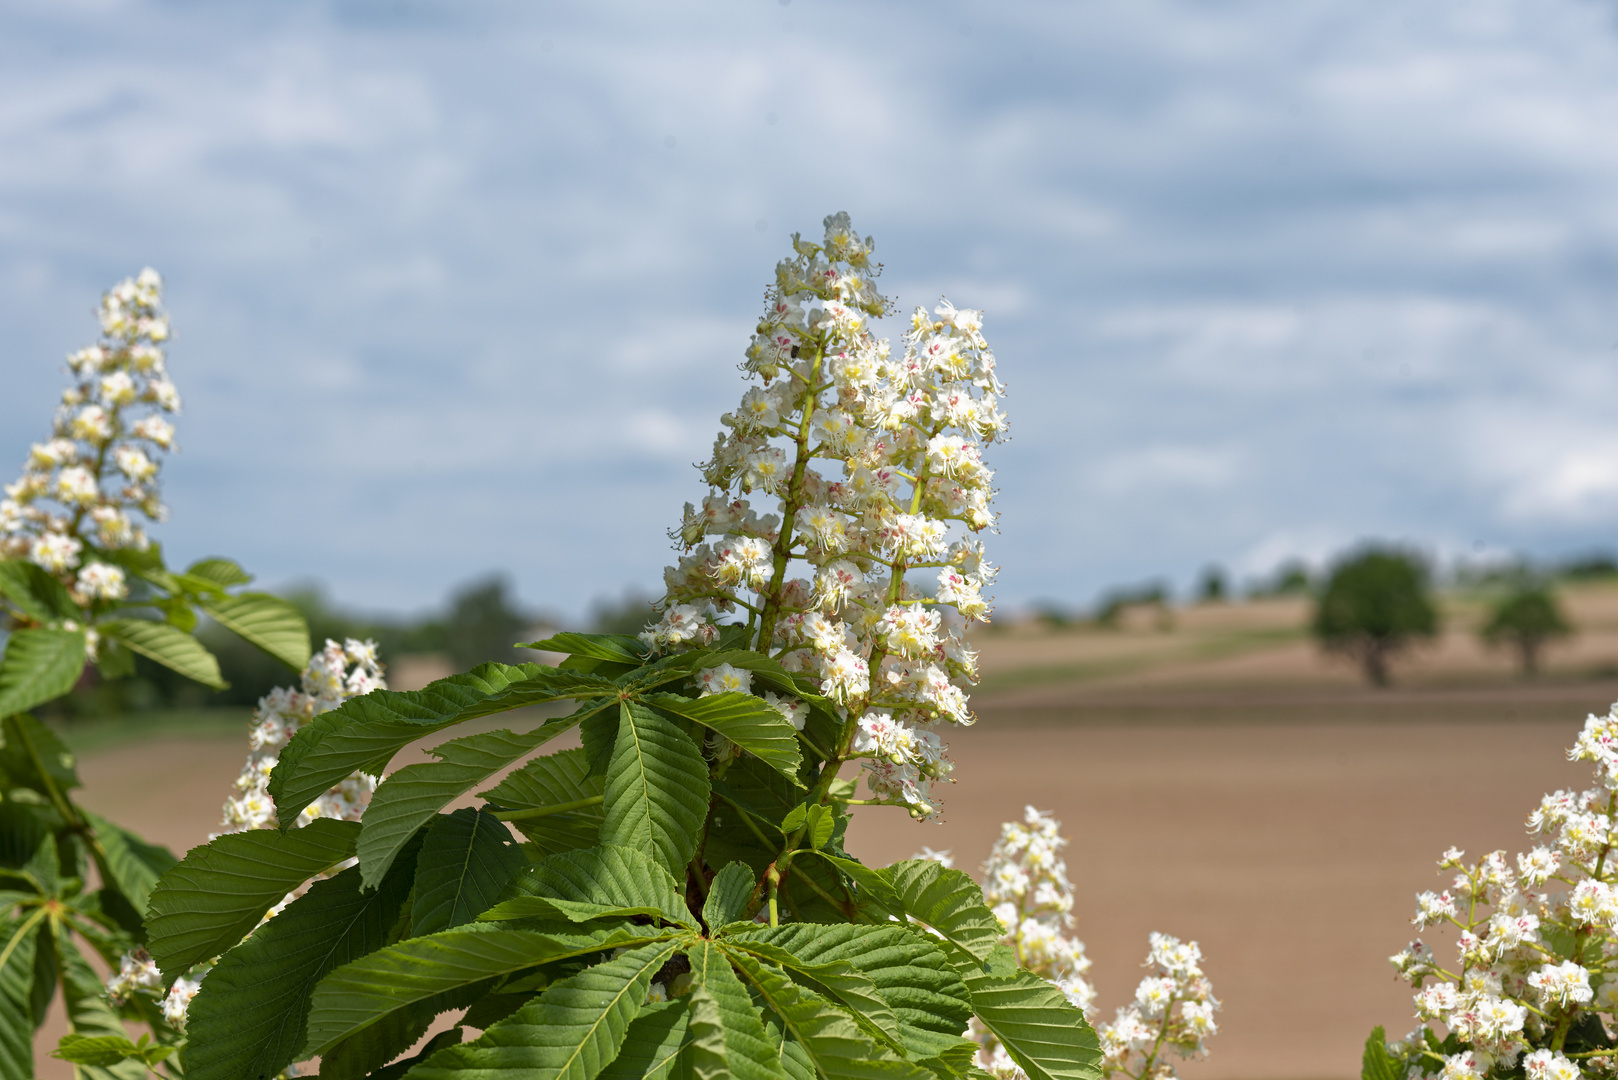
<point x="547" y="811"/>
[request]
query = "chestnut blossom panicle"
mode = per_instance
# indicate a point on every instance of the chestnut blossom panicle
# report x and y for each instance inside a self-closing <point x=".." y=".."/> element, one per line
<point x="1535" y="983"/>
<point x="1025" y="882"/>
<point x="86" y="489"/>
<point x="335" y="674"/>
<point x="844" y="496"/>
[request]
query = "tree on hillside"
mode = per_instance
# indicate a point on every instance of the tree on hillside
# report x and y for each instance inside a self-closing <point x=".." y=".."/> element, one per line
<point x="1527" y="620"/>
<point x="1213" y="588"/>
<point x="1374" y="605"/>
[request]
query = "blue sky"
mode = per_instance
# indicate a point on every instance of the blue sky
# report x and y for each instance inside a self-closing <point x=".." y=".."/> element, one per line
<point x="462" y="287"/>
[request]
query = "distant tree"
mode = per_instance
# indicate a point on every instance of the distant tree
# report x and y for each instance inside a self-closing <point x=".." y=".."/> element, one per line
<point x="1213" y="588"/>
<point x="1527" y="619"/>
<point x="627" y="616"/>
<point x="1592" y="566"/>
<point x="484" y="623"/>
<point x="1375" y="604"/>
<point x="1290" y="578"/>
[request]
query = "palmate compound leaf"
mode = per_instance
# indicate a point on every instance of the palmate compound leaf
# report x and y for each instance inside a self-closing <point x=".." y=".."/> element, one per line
<point x="570" y="1032"/>
<point x="365" y="732"/>
<point x="912" y="974"/>
<point x="220" y="891"/>
<point x="249" y="1020"/>
<point x="593" y="883"/>
<point x="566" y="796"/>
<point x="1045" y="1034"/>
<point x="728" y="1038"/>
<point x="651" y="1049"/>
<point x="838" y="980"/>
<point x="414" y="795"/>
<point x="264" y="620"/>
<point x="817" y="1033"/>
<point x="167" y="645"/>
<point x="422" y="969"/>
<point x="749" y="722"/>
<point x="657" y="789"/>
<point x="467" y="858"/>
<point x="39" y="665"/>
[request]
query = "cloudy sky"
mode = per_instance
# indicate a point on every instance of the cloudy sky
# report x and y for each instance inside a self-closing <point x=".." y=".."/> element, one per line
<point x="462" y="287"/>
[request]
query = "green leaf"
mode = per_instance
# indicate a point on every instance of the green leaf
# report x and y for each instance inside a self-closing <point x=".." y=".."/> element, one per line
<point x="131" y="865"/>
<point x="657" y="789"/>
<point x="559" y="779"/>
<point x="1378" y="1064"/>
<point x="167" y="645"/>
<point x="618" y="648"/>
<point x="726" y="1030"/>
<point x="39" y="665"/>
<point x="263" y="620"/>
<point x="365" y="732"/>
<point x="35" y="592"/>
<point x="651" y="1049"/>
<point x="728" y="895"/>
<point x="220" y="891"/>
<point x="88" y="1011"/>
<point x="222" y="573"/>
<point x="18" y="940"/>
<point x="949" y="902"/>
<point x="827" y="1035"/>
<point x="107" y="1050"/>
<point x="1042" y="1031"/>
<point x="33" y="757"/>
<point x="912" y="974"/>
<point x="836" y="979"/>
<point x="250" y="1017"/>
<point x="749" y="722"/>
<point x="570" y="1032"/>
<point x="593" y="883"/>
<point x="411" y="797"/>
<point x="467" y="858"/>
<point x="821" y="822"/>
<point x="427" y="969"/>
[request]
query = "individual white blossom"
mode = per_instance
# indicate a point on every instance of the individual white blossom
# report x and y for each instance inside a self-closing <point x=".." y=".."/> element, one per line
<point x="859" y="467"/>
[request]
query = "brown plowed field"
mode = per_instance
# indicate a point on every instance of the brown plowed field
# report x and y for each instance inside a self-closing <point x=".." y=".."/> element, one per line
<point x="1224" y="784"/>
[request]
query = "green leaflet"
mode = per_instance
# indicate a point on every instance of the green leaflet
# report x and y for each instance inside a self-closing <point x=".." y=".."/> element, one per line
<point x="420" y="969"/>
<point x="108" y="1050"/>
<point x="31" y="756"/>
<point x="365" y="732"/>
<point x="34" y="592"/>
<point x="745" y="720"/>
<point x="828" y="1036"/>
<point x="657" y="789"/>
<point x="728" y="895"/>
<point x="949" y="902"/>
<point x="221" y="574"/>
<point x="1377" y="1063"/>
<point x="911" y="973"/>
<point x="836" y="979"/>
<point x="131" y="865"/>
<point x="617" y="648"/>
<point x="651" y="1049"/>
<point x="167" y="645"/>
<point x="18" y="941"/>
<point x="593" y="883"/>
<point x="264" y="620"/>
<point x="724" y="1022"/>
<point x="467" y="858"/>
<point x="249" y="1019"/>
<point x="88" y="1012"/>
<point x="570" y="1032"/>
<point x="220" y="891"/>
<point x="39" y="665"/>
<point x="559" y="779"/>
<point x="411" y="797"/>
<point x="1041" y="1030"/>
